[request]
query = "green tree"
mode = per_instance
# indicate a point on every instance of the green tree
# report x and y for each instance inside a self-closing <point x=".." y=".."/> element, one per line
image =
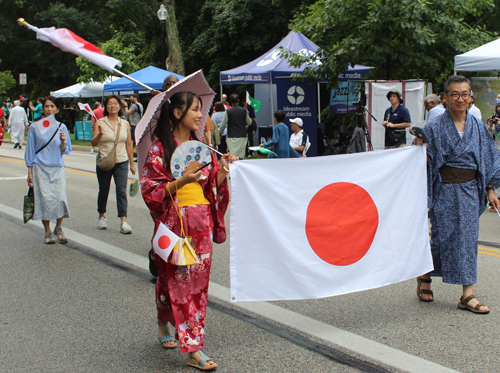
<point x="115" y="48"/>
<point x="174" y="62"/>
<point x="6" y="81"/>
<point x="228" y="34"/>
<point x="401" y="39"/>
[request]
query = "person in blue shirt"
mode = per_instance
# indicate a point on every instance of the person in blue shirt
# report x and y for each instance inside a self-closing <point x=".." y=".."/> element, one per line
<point x="37" y="111"/>
<point x="396" y="119"/>
<point x="280" y="137"/>
<point x="48" y="140"/>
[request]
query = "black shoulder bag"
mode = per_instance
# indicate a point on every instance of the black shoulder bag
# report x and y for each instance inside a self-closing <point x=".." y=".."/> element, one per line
<point x="48" y="142"/>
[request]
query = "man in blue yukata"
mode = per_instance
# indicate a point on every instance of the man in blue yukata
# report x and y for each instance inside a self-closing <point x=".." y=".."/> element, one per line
<point x="463" y="168"/>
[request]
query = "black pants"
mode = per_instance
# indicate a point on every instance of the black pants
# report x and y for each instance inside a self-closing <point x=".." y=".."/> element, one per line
<point x="120" y="174"/>
<point x="223" y="145"/>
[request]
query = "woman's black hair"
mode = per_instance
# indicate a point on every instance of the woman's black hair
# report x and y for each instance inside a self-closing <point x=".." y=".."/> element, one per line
<point x="54" y="100"/>
<point x="105" y="112"/>
<point x="167" y="122"/>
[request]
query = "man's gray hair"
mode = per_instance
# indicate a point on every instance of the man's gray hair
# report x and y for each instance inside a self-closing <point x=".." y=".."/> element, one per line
<point x="455" y="79"/>
<point x="433" y="98"/>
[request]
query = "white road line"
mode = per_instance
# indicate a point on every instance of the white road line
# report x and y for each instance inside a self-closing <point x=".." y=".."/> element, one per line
<point x="364" y="346"/>
<point x="13" y="178"/>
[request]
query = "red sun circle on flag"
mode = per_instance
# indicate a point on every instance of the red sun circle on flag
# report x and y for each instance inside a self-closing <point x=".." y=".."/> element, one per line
<point x="46" y="123"/>
<point x="164" y="242"/>
<point x="341" y="223"/>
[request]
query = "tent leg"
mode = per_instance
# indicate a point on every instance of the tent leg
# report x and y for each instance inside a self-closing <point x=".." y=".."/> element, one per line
<point x="272" y="104"/>
<point x="319" y="105"/>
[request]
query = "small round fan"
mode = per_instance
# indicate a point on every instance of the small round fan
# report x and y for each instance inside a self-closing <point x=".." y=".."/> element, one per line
<point x="189" y="155"/>
<point x="134" y="188"/>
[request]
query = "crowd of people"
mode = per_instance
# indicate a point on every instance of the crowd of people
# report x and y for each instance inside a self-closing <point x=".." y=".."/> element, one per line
<point x="463" y="165"/>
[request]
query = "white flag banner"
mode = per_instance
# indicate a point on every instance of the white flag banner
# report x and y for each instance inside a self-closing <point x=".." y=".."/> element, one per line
<point x="68" y="41"/>
<point x="45" y="124"/>
<point x="318" y="227"/>
<point x="164" y="241"/>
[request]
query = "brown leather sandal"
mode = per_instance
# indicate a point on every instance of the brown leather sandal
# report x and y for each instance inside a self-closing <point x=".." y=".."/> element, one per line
<point x="421" y="281"/>
<point x="464" y="305"/>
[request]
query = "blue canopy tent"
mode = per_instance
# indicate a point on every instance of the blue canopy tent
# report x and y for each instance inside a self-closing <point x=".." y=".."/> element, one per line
<point x="151" y="76"/>
<point x="270" y="71"/>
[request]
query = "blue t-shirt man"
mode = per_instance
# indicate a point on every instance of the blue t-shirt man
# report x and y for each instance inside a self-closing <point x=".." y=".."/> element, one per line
<point x="38" y="112"/>
<point x="396" y="119"/>
<point x="280" y="137"/>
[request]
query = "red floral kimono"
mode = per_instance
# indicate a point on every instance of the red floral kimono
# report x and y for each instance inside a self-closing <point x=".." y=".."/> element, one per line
<point x="182" y="291"/>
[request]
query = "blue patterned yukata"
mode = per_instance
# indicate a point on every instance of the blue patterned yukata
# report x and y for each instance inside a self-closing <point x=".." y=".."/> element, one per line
<point x="455" y="208"/>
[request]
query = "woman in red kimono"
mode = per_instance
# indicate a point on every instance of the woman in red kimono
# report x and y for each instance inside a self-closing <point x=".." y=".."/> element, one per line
<point x="202" y="196"/>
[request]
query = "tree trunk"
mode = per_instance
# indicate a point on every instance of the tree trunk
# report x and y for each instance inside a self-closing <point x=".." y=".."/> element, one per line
<point x="174" y="60"/>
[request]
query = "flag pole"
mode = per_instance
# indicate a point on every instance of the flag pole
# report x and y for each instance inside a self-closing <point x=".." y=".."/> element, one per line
<point x="132" y="79"/>
<point x="22" y="22"/>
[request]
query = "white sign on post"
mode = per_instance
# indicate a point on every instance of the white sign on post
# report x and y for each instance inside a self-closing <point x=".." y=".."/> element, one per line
<point x="23" y="78"/>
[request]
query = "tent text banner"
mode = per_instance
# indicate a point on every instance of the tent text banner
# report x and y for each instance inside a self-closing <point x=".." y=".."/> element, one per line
<point x="298" y="100"/>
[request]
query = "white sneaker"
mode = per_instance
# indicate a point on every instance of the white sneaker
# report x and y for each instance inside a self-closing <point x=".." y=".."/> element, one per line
<point x="103" y="223"/>
<point x="125" y="228"/>
<point x="92" y="150"/>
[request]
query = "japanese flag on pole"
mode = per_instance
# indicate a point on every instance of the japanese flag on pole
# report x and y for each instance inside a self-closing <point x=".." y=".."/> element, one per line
<point x="70" y="42"/>
<point x="316" y="227"/>
<point x="164" y="241"/>
<point x="46" y="124"/>
<point x="86" y="107"/>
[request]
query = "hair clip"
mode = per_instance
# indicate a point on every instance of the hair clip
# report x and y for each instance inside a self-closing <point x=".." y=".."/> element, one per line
<point x="168" y="101"/>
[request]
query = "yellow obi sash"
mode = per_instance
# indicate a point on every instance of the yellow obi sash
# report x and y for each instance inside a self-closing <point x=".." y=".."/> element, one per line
<point x="191" y="194"/>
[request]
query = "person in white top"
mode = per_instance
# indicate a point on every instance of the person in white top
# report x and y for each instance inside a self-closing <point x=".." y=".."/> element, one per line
<point x="473" y="109"/>
<point x="18" y="121"/>
<point x="433" y="105"/>
<point x="299" y="139"/>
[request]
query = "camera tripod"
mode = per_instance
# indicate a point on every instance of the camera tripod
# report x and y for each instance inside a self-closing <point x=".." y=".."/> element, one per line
<point x="361" y="122"/>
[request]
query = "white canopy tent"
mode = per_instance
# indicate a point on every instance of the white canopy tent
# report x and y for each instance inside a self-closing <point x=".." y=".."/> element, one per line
<point x="484" y="58"/>
<point x="85" y="90"/>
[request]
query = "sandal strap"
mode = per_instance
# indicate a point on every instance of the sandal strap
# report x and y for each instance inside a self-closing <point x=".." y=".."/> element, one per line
<point x="426" y="291"/>
<point x="466" y="300"/>
<point x="478" y="306"/>
<point x="425" y="280"/>
<point x="167" y="337"/>
<point x="204" y="358"/>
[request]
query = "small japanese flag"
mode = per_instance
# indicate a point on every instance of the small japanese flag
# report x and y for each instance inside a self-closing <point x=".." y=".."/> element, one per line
<point x="164" y="241"/>
<point x="86" y="107"/>
<point x="45" y="124"/>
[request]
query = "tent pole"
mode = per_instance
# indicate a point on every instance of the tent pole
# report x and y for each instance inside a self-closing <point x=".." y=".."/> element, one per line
<point x="271" y="97"/>
<point x="319" y="105"/>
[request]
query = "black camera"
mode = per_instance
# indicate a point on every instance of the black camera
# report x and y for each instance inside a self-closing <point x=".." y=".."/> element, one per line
<point x="494" y="118"/>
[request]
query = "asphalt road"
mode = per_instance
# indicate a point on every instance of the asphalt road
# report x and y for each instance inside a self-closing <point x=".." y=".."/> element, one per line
<point x="88" y="306"/>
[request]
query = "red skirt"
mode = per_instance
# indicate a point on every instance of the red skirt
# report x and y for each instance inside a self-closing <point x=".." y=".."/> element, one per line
<point x="182" y="291"/>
